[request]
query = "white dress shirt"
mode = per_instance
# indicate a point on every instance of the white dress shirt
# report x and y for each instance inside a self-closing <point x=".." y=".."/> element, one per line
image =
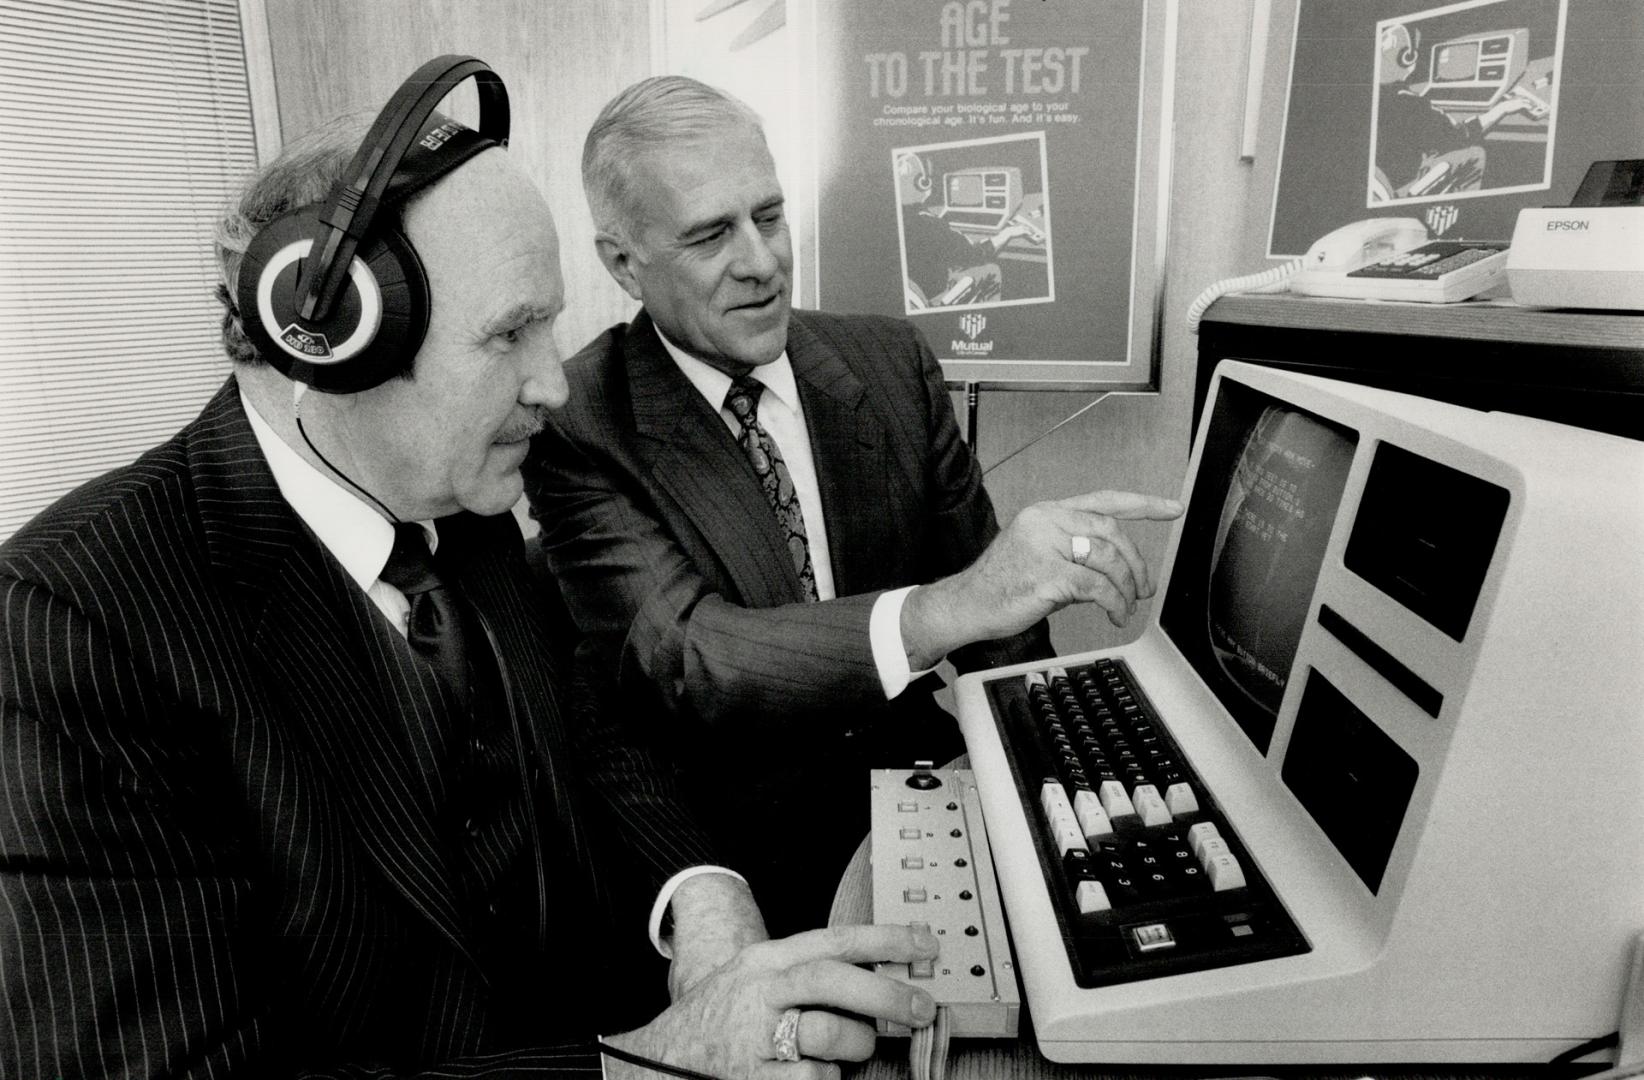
<point x="783" y="416"/>
<point x="361" y="539"/>
<point x="358" y="536"/>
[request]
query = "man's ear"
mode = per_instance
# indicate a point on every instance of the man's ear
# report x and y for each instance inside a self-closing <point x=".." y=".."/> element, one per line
<point x="619" y="262"/>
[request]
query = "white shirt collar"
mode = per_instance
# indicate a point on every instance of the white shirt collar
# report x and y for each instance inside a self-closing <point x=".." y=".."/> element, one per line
<point x="357" y="535"/>
<point x="713" y="384"/>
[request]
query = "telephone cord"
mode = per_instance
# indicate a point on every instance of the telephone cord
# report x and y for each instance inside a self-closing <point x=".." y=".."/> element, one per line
<point x="1271" y="280"/>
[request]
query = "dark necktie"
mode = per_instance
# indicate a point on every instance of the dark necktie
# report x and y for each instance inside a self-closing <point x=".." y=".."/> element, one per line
<point x="435" y="628"/>
<point x="743" y="401"/>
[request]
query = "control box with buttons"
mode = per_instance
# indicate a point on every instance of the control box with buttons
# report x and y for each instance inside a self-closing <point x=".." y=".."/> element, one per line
<point x="932" y="868"/>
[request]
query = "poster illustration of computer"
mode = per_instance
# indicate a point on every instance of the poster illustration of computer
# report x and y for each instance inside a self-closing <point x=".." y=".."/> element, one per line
<point x="974" y="223"/>
<point x="1457" y="114"/>
<point x="994" y="172"/>
<point x="1466" y="101"/>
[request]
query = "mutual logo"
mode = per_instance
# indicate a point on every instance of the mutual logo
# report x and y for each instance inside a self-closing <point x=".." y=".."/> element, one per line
<point x="1440" y="218"/>
<point x="972" y="325"/>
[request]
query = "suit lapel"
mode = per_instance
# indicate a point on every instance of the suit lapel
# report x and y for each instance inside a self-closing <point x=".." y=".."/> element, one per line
<point x="693" y="457"/>
<point x="848" y="443"/>
<point x="323" y="646"/>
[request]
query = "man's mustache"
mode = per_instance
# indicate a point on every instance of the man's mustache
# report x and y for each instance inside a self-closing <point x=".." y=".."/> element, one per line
<point x="525" y="426"/>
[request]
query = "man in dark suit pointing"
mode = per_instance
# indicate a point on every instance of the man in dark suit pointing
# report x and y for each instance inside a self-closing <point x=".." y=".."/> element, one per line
<point x="296" y="774"/>
<point x="740" y="499"/>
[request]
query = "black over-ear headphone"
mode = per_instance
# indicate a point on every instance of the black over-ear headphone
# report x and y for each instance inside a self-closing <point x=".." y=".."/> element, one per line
<point x="355" y="315"/>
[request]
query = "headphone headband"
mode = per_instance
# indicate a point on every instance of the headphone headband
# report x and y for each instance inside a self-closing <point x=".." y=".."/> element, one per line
<point x="354" y="201"/>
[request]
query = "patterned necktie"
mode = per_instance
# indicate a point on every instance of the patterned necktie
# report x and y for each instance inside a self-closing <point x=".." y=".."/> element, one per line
<point x="743" y="401"/>
<point x="435" y="628"/>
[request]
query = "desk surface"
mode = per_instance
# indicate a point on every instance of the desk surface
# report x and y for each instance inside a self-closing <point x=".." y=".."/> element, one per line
<point x="988" y="1059"/>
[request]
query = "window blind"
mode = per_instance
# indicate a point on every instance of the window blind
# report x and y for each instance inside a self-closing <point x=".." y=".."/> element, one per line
<point x="125" y="125"/>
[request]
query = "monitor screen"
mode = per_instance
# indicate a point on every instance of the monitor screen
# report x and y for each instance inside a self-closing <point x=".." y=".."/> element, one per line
<point x="1264" y="501"/>
<point x="1456" y="63"/>
<point x="965" y="189"/>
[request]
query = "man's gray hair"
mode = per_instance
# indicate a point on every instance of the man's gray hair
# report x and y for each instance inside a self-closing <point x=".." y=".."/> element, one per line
<point x="647" y="115"/>
<point x="300" y="176"/>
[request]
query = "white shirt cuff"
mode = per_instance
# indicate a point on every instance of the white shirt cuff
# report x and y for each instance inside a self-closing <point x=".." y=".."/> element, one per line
<point x="890" y="655"/>
<point x="665" y="896"/>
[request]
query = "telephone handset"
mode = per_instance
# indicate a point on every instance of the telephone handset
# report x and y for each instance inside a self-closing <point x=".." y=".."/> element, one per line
<point x="1355" y="246"/>
<point x="1385" y="258"/>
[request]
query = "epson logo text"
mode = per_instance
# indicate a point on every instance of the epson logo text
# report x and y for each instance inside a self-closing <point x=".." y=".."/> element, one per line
<point x="1557" y="225"/>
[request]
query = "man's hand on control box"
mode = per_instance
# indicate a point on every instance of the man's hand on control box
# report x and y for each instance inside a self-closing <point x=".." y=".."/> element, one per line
<point x="787" y="1008"/>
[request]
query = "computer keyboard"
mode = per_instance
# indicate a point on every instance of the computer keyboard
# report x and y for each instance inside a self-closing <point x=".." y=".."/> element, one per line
<point x="1147" y="875"/>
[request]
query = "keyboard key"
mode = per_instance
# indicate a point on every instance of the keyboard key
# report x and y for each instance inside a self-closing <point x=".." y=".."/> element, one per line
<point x="1069" y="837"/>
<point x="1092" y="898"/>
<point x="1152" y="937"/>
<point x="1199" y="833"/>
<point x="1150" y="805"/>
<point x="1225" y="873"/>
<point x="1179" y="798"/>
<point x="1051" y="797"/>
<point x="1093" y="820"/>
<point x="1210" y="848"/>
<point x="1123" y="890"/>
<point x="1114" y="800"/>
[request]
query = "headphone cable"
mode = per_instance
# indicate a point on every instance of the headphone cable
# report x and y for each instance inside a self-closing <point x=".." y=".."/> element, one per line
<point x="297" y="391"/>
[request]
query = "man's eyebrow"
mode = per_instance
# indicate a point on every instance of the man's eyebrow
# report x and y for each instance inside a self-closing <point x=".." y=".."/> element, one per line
<point x="519" y="314"/>
<point x="705" y="226"/>
<point x="708" y="225"/>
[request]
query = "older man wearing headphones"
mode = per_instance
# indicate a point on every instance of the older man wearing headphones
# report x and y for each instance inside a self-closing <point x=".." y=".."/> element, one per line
<point x="297" y="772"/>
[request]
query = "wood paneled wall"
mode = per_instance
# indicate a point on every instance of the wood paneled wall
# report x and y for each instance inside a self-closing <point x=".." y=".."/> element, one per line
<point x="561" y="60"/>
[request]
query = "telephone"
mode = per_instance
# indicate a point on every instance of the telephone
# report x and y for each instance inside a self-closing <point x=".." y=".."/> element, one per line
<point x="1354" y="246"/>
<point x="1383" y="258"/>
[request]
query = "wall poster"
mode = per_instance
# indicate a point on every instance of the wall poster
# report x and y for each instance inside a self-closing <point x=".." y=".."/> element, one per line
<point x="996" y="172"/>
<point x="1458" y="114"/>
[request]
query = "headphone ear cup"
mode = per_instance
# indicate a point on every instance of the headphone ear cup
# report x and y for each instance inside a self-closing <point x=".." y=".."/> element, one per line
<point x="375" y="327"/>
<point x="922" y="183"/>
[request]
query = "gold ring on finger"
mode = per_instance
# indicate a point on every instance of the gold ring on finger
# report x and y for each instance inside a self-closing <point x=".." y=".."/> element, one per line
<point x="785" y="1039"/>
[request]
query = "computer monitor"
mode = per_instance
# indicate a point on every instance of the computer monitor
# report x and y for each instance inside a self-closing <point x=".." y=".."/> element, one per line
<point x="1474" y="72"/>
<point x="1271" y="481"/>
<point x="1396" y="659"/>
<point x="981" y="199"/>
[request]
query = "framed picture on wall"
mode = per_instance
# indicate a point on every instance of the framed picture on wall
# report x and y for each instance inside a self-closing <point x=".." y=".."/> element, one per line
<point x="996" y="173"/>
<point x="1457" y="114"/>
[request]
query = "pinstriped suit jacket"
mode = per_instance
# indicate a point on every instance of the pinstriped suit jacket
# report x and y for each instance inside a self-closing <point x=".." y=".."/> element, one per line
<point x="672" y="561"/>
<point x="218" y="791"/>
